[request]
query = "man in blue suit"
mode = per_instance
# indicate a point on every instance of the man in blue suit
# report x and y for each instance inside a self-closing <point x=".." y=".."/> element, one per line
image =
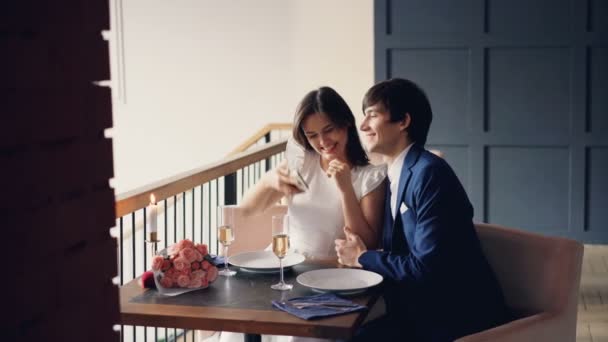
<point x="438" y="285"/>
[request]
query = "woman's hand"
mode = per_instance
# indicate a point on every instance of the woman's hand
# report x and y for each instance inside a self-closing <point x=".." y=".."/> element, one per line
<point x="282" y="182"/>
<point x="340" y="171"/>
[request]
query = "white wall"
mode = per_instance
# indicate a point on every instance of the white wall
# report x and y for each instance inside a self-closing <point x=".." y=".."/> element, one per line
<point x="202" y="76"/>
<point x="333" y="45"/>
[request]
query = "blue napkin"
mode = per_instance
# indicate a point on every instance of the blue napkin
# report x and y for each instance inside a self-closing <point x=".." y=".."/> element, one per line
<point x="318" y="311"/>
<point x="217" y="260"/>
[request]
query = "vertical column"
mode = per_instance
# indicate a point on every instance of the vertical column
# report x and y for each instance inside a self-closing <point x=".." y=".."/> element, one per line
<point x="56" y="164"/>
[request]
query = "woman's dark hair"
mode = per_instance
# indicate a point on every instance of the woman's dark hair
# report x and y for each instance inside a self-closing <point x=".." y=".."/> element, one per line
<point x="400" y="96"/>
<point x="327" y="101"/>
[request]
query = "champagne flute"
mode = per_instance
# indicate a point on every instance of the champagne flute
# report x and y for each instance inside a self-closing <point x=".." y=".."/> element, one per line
<point x="225" y="234"/>
<point x="280" y="246"/>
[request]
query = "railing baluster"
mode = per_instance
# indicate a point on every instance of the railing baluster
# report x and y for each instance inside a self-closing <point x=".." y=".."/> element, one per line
<point x="246" y="172"/>
<point x="134" y="333"/>
<point x="121" y="265"/>
<point x="120" y="253"/>
<point x="230" y="189"/>
<point x="209" y="213"/>
<point x="217" y="191"/>
<point x="202" y="205"/>
<point x="245" y="180"/>
<point x="193" y="235"/>
<point x="242" y="182"/>
<point x="133" y="243"/>
<point x="174" y="219"/>
<point x="251" y="175"/>
<point x="267" y="140"/>
<point x="165" y="219"/>
<point x="144" y="240"/>
<point x="133" y="253"/>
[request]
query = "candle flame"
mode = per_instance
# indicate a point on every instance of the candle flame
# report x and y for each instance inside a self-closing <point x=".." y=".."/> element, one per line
<point x="152" y="199"/>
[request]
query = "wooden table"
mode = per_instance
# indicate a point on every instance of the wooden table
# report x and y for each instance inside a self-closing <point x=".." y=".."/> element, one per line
<point x="241" y="304"/>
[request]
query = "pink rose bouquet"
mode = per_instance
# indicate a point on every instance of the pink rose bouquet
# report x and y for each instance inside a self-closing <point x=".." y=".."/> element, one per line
<point x="183" y="267"/>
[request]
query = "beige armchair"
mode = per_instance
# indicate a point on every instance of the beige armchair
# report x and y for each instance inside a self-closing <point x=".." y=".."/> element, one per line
<point x="540" y="277"/>
<point x="253" y="233"/>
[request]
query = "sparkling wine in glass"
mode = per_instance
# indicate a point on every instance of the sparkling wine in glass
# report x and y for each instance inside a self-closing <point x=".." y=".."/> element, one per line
<point x="225" y="234"/>
<point x="280" y="246"/>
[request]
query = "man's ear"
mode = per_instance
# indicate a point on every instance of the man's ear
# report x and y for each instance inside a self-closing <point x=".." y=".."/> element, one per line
<point x="405" y="123"/>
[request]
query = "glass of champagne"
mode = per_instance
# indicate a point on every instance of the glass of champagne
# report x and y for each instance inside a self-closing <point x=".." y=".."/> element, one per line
<point x="225" y="234"/>
<point x="280" y="246"/>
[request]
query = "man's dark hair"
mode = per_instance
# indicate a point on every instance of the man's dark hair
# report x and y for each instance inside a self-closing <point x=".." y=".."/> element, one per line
<point x="327" y="101"/>
<point x="400" y="96"/>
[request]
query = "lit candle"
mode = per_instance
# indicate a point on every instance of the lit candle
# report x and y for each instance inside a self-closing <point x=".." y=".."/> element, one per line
<point x="151" y="219"/>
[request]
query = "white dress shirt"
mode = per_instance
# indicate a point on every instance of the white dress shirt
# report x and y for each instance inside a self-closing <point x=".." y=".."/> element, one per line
<point x="394" y="174"/>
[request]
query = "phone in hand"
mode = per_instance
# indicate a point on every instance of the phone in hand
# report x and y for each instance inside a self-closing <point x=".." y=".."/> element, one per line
<point x="298" y="180"/>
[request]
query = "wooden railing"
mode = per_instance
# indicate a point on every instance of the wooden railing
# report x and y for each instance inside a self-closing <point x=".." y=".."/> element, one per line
<point x="136" y="199"/>
<point x="264" y="132"/>
<point x="139" y="198"/>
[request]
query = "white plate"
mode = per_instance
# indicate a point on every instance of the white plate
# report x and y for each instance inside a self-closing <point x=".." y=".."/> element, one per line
<point x="264" y="261"/>
<point x="340" y="280"/>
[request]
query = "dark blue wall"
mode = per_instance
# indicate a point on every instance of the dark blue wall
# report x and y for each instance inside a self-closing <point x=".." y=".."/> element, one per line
<point x="519" y="89"/>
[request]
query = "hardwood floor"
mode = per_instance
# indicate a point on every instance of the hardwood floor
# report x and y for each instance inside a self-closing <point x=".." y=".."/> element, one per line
<point x="593" y="296"/>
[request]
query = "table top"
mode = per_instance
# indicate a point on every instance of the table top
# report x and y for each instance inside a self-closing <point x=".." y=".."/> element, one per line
<point x="241" y="304"/>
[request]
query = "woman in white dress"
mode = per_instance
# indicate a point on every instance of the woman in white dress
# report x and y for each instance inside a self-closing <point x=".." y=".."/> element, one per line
<point x="344" y="189"/>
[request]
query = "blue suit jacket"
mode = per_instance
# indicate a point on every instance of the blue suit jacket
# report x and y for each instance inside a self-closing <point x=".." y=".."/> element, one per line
<point x="438" y="283"/>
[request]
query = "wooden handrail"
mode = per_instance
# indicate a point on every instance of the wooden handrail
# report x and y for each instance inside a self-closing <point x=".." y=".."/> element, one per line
<point x="139" y="198"/>
<point x="259" y="135"/>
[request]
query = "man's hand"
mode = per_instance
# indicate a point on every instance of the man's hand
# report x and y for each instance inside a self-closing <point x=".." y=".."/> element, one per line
<point x="350" y="249"/>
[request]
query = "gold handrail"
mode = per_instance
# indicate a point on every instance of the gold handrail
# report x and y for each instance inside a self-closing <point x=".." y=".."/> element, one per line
<point x="139" y="198"/>
<point x="259" y="135"/>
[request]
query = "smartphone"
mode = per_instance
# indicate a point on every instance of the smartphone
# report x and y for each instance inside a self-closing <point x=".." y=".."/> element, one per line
<point x="297" y="178"/>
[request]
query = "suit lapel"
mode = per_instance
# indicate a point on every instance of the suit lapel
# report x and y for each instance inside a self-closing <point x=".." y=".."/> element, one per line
<point x="406" y="173"/>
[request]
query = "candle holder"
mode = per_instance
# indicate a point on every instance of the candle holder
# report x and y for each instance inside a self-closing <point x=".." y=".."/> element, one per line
<point x="153" y="241"/>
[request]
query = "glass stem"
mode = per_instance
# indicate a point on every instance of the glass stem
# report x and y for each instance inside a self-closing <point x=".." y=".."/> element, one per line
<point x="281" y="267"/>
<point x="226" y="257"/>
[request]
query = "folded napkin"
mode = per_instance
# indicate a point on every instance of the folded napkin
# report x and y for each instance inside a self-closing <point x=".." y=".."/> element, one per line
<point x="217" y="260"/>
<point x="317" y="306"/>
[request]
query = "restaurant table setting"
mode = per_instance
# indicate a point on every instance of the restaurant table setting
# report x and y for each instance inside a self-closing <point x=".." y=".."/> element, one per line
<point x="251" y="289"/>
<point x="185" y="267"/>
<point x="313" y="297"/>
<point x="307" y="290"/>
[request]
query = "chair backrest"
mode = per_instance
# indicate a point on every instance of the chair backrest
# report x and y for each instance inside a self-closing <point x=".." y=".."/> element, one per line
<point x="537" y="273"/>
<point x="253" y="233"/>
